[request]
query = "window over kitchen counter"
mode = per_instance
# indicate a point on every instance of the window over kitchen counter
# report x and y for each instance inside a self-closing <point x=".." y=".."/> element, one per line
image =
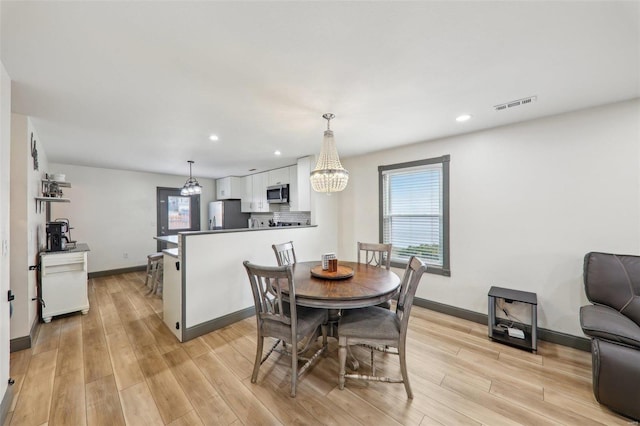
<point x="414" y="212"/>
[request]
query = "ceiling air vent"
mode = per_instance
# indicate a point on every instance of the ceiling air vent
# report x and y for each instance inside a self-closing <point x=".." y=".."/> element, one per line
<point x="515" y="103"/>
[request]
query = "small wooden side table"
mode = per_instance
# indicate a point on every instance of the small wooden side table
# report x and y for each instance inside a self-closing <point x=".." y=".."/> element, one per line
<point x="530" y="341"/>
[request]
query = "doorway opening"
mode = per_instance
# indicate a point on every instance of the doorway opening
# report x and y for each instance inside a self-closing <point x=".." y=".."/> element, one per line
<point x="176" y="213"/>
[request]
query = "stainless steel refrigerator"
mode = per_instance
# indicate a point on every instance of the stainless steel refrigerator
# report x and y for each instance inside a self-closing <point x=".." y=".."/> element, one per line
<point x="227" y="215"/>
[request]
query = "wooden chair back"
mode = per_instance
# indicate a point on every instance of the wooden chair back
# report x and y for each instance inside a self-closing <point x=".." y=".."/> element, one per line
<point x="375" y="254"/>
<point x="285" y="254"/>
<point x="410" y="281"/>
<point x="266" y="286"/>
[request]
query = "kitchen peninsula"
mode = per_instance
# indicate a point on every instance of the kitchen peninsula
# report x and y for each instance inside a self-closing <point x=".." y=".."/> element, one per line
<point x="205" y="285"/>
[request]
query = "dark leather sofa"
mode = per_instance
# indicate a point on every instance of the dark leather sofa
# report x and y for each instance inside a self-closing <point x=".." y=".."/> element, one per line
<point x="612" y="284"/>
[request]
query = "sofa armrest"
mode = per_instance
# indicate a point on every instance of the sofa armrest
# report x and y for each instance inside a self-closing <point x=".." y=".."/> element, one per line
<point x="608" y="324"/>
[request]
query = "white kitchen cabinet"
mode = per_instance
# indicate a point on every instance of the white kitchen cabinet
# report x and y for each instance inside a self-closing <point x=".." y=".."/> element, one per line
<point x="230" y="187"/>
<point x="293" y="189"/>
<point x="246" y="203"/>
<point x="302" y="196"/>
<point x="172" y="293"/>
<point x="63" y="282"/>
<point x="278" y="176"/>
<point x="259" y="188"/>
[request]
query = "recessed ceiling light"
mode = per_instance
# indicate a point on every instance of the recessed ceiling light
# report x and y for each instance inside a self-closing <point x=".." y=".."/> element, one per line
<point x="213" y="137"/>
<point x="277" y="153"/>
<point x="463" y="117"/>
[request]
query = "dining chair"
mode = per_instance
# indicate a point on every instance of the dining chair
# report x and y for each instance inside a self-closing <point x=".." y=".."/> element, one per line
<point x="286" y="322"/>
<point x="375" y="254"/>
<point x="285" y="254"/>
<point x="381" y="329"/>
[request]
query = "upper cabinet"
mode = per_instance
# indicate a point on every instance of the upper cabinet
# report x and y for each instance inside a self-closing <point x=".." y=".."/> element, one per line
<point x="259" y="198"/>
<point x="252" y="189"/>
<point x="246" y="203"/>
<point x="278" y="176"/>
<point x="230" y="187"/>
<point x="294" y="199"/>
<point x="302" y="197"/>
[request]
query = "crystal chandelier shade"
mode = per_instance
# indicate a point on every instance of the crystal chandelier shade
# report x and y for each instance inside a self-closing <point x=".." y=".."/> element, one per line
<point x="329" y="175"/>
<point x="191" y="186"/>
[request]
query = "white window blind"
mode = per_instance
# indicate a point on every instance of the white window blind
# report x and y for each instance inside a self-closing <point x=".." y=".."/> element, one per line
<point x="412" y="213"/>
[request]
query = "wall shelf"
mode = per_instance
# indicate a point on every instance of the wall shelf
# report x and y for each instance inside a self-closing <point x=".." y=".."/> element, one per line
<point x="56" y="182"/>
<point x="40" y="200"/>
<point x="51" y="187"/>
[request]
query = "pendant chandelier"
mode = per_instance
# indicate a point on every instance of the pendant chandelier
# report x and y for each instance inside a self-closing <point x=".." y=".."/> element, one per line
<point x="191" y="186"/>
<point x="329" y="175"/>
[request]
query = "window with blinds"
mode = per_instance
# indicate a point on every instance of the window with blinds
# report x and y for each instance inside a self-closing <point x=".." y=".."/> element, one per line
<point x="414" y="211"/>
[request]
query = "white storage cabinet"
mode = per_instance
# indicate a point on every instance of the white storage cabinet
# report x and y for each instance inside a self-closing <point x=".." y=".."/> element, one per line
<point x="63" y="283"/>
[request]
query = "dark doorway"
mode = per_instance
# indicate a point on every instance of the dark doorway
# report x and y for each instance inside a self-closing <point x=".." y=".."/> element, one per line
<point x="176" y="213"/>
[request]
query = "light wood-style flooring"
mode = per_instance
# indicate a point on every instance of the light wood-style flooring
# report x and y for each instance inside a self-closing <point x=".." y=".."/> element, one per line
<point x="120" y="365"/>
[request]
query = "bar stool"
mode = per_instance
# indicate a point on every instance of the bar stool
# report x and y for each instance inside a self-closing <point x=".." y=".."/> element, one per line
<point x="154" y="271"/>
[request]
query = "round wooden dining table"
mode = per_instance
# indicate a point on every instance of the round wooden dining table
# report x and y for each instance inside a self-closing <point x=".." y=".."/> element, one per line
<point x="369" y="285"/>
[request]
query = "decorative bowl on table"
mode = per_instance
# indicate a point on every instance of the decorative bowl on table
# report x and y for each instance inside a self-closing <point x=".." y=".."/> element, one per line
<point x="341" y="273"/>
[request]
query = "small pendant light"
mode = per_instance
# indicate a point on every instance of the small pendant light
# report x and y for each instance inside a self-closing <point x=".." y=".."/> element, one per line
<point x="191" y="186"/>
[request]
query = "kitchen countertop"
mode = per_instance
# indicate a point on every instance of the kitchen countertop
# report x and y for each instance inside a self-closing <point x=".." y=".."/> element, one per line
<point x="173" y="252"/>
<point x="169" y="239"/>
<point x="262" y="228"/>
<point x="79" y="248"/>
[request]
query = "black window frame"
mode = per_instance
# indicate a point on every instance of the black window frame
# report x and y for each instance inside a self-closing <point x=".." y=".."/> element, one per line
<point x="445" y="160"/>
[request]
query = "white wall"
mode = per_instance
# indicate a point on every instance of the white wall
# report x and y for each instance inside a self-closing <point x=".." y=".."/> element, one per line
<point x="114" y="211"/>
<point x="28" y="234"/>
<point x="214" y="261"/>
<point x="5" y="161"/>
<point x="214" y="266"/>
<point x="528" y="201"/>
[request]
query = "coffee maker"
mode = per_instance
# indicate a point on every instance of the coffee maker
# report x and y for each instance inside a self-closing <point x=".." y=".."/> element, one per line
<point x="56" y="238"/>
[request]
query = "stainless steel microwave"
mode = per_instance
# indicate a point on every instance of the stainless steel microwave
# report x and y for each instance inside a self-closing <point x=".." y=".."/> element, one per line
<point x="278" y="193"/>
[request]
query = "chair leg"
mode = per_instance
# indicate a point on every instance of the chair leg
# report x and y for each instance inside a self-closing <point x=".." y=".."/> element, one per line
<point x="256" y="364"/>
<point x="325" y="350"/>
<point x="342" y="357"/>
<point x="159" y="277"/>
<point x="403" y="370"/>
<point x="146" y="280"/>
<point x="294" y="369"/>
<point x="154" y="278"/>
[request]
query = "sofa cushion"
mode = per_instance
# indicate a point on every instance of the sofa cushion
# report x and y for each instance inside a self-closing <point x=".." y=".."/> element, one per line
<point x="614" y="280"/>
<point x="608" y="324"/>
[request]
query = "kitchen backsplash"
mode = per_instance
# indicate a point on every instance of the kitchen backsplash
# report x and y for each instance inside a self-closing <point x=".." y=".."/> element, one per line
<point x="282" y="216"/>
<point x="301" y="217"/>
